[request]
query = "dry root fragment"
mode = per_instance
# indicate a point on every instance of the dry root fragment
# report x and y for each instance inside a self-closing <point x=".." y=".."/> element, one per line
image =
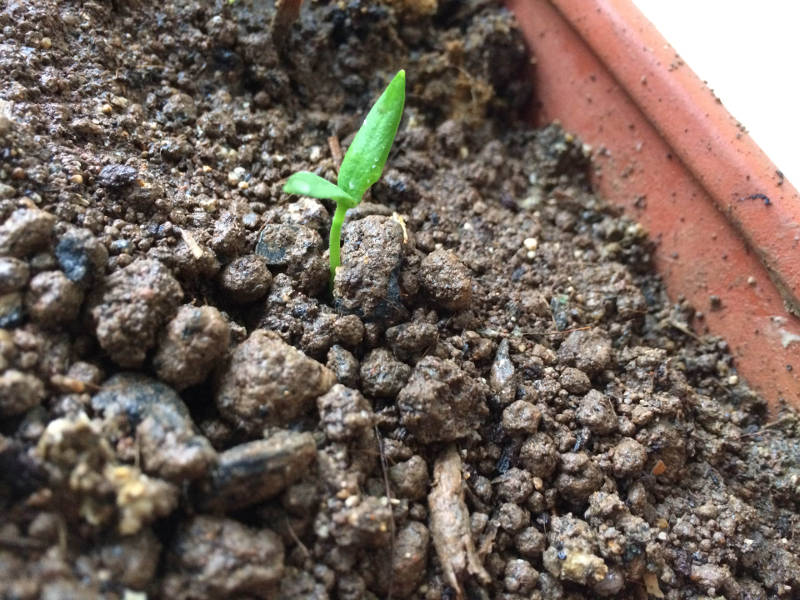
<point x="79" y="456"/>
<point x="651" y="583"/>
<point x="418" y="8"/>
<point x="450" y="523"/>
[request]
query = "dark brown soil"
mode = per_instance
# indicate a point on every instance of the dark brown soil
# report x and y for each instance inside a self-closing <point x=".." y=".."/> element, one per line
<point x="496" y="399"/>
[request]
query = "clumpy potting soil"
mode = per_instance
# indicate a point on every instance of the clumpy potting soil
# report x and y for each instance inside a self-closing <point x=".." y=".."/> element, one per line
<point x="496" y="399"/>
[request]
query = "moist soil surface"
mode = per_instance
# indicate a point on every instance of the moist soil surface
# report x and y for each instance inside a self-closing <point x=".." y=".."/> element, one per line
<point x="495" y="399"/>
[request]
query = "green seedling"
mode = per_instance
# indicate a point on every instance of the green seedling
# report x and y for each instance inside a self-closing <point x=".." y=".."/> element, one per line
<point x="362" y="164"/>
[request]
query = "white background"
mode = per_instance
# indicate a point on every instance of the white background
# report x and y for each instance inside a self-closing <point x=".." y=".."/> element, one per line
<point x="749" y="53"/>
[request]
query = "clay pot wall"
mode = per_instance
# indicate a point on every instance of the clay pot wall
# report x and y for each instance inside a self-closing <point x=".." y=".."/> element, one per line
<point x="725" y="220"/>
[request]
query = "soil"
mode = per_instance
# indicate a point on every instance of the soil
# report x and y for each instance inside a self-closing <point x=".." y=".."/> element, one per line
<point x="495" y="400"/>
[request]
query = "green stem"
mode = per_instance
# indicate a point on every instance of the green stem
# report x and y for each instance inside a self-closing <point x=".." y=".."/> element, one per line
<point x="336" y="237"/>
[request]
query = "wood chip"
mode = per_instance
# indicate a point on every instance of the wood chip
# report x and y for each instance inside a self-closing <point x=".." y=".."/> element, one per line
<point x="194" y="247"/>
<point x="336" y="150"/>
<point x="450" y="524"/>
<point x="651" y="583"/>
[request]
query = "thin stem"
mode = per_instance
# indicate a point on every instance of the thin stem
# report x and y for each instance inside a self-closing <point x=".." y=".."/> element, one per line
<point x="336" y="237"/>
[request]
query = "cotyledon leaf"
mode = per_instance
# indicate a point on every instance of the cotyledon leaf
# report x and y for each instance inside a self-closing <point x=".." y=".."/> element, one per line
<point x="306" y="183"/>
<point x="365" y="158"/>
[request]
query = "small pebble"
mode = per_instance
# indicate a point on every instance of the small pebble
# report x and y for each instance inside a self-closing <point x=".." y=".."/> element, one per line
<point x="575" y="381"/>
<point x="446" y="280"/>
<point x="26" y="230"/>
<point x="539" y="455"/>
<point x="236" y="176"/>
<point x="383" y="376"/>
<point x="130" y="308"/>
<point x="408" y="562"/>
<point x="440" y="402"/>
<point x="521" y="417"/>
<point x="52" y="299"/>
<point x="194" y="341"/>
<point x="589" y="351"/>
<point x="19" y="392"/>
<point x="597" y="413"/>
<point x="579" y="477"/>
<point x="14" y="274"/>
<point x="269" y="382"/>
<point x="167" y="440"/>
<point x="629" y="458"/>
<point x="228" y="237"/>
<point x="131" y="560"/>
<point x="309" y="212"/>
<point x="245" y="280"/>
<point x="515" y="485"/>
<point x="530" y="542"/>
<point x="410" y="478"/>
<point x="502" y="377"/>
<point x="256" y="471"/>
<point x="344" y="366"/>
<point x="409" y="341"/>
<point x="116" y="176"/>
<point x="216" y="557"/>
<point x="298" y="250"/>
<point x="11" y="310"/>
<point x="81" y="256"/>
<point x="611" y="584"/>
<point x="520" y="576"/>
<point x="348" y="330"/>
<point x="344" y="414"/>
<point x="367" y="282"/>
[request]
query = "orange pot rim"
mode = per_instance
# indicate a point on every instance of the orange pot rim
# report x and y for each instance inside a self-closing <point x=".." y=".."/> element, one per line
<point x="726" y="221"/>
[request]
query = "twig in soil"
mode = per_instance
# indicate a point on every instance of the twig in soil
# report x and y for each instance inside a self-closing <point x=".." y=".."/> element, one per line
<point x="286" y="13"/>
<point x="402" y="222"/>
<point x="563" y="332"/>
<point x="769" y="425"/>
<point x="684" y="329"/>
<point x="385" y="472"/>
<point x="475" y="500"/>
<point x="450" y="524"/>
<point x="584" y="328"/>
<point x="21" y="543"/>
<point x="487" y="541"/>
<point x="336" y="150"/>
<point x="70" y="385"/>
<point x="62" y="534"/>
<point x="194" y="247"/>
<point x="296" y="539"/>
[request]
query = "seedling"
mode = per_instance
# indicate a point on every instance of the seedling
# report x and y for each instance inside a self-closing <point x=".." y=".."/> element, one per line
<point x="362" y="164"/>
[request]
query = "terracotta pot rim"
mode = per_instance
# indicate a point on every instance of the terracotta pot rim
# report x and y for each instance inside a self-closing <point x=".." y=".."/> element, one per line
<point x="726" y="220"/>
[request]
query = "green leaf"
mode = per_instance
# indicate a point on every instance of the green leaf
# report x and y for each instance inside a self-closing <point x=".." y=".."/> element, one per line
<point x="365" y="158"/>
<point x="305" y="183"/>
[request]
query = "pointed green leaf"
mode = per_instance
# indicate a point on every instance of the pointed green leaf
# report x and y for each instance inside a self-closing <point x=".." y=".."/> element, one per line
<point x="305" y="183"/>
<point x="365" y="158"/>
